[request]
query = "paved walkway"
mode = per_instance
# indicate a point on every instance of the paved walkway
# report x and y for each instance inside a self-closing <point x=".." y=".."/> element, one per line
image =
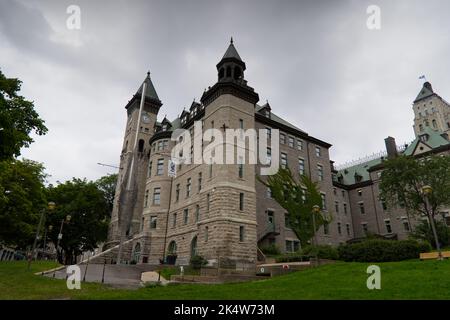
<point x="120" y="276"/>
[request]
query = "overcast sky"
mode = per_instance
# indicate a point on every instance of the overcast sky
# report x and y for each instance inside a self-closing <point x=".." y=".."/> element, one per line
<point x="316" y="62"/>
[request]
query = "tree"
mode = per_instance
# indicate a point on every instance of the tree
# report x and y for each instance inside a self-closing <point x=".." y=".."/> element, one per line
<point x="22" y="199"/>
<point x="107" y="185"/>
<point x="89" y="211"/>
<point x="404" y="177"/>
<point x="298" y="198"/>
<point x="423" y="232"/>
<point x="17" y="119"/>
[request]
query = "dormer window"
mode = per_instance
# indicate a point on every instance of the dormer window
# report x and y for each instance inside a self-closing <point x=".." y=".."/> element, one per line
<point x="424" y="138"/>
<point x="164" y="127"/>
<point x="267" y="113"/>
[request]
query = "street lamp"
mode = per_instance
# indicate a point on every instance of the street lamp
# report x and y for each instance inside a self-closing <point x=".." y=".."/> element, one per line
<point x="427" y="191"/>
<point x="315" y="210"/>
<point x="50" y="207"/>
<point x="66" y="220"/>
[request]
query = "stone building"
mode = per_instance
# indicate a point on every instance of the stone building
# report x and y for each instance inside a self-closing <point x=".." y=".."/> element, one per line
<point x="222" y="210"/>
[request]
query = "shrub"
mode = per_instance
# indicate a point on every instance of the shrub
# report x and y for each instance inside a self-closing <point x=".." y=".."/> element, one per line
<point x="321" y="251"/>
<point x="197" y="262"/>
<point x="271" y="249"/>
<point x="382" y="250"/>
<point x="292" y="258"/>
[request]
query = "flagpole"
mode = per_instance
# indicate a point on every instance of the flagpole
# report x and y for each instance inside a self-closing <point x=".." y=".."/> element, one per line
<point x="130" y="172"/>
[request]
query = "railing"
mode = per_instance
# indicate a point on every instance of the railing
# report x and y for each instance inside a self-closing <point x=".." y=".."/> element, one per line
<point x="271" y="228"/>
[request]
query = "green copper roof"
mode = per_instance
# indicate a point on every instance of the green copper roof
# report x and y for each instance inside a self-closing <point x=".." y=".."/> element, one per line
<point x="348" y="174"/>
<point x="434" y="140"/>
<point x="276" y="118"/>
<point x="150" y="91"/>
<point x="425" y="92"/>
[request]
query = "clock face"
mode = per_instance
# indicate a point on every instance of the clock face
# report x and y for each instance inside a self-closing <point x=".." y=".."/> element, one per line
<point x="145" y="118"/>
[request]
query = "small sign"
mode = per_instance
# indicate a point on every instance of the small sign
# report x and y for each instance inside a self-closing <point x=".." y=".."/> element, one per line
<point x="262" y="270"/>
<point x="285" y="266"/>
<point x="172" y="170"/>
<point x="60" y="236"/>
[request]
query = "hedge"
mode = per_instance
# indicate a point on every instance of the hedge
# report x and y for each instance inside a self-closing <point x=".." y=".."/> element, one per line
<point x="382" y="250"/>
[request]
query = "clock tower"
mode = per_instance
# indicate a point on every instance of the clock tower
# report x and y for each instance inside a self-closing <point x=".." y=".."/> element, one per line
<point x="142" y="111"/>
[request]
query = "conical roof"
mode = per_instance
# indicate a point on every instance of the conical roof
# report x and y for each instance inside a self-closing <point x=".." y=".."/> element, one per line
<point x="150" y="91"/>
<point x="232" y="52"/>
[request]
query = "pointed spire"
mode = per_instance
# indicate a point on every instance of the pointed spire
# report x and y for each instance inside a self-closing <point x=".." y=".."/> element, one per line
<point x="150" y="92"/>
<point x="231" y="52"/>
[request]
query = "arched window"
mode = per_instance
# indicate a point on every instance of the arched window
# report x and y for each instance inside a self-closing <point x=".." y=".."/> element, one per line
<point x="137" y="252"/>
<point x="434" y="123"/>
<point x="221" y="73"/>
<point x="141" y="145"/>
<point x="237" y="73"/>
<point x="229" y="72"/>
<point x="172" y="247"/>
<point x="194" y="247"/>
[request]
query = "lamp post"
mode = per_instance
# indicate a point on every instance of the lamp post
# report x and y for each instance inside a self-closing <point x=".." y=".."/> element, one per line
<point x="44" y="246"/>
<point x="315" y="210"/>
<point x="427" y="191"/>
<point x="66" y="220"/>
<point x="50" y="206"/>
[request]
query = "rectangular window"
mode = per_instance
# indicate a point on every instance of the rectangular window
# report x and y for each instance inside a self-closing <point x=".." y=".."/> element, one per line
<point x="383" y="204"/>
<point x="347" y="226"/>
<point x="269" y="155"/>
<point x="282" y="138"/>
<point x="157" y="196"/>
<point x="185" y="215"/>
<point x="177" y="193"/>
<point x="165" y="144"/>
<point x="208" y="198"/>
<point x="197" y="213"/>
<point x="206" y="234"/>
<point x="360" y="192"/>
<point x="387" y="223"/>
<point x="160" y="167"/>
<point x="241" y="234"/>
<point x="406" y="225"/>
<point x="241" y="201"/>
<point x="336" y="206"/>
<point x="289" y="246"/>
<point x="174" y="221"/>
<point x="199" y="181"/>
<point x="160" y="145"/>
<point x="286" y="220"/>
<point x="241" y="170"/>
<point x="343" y="194"/>
<point x="241" y="124"/>
<point x="146" y="199"/>
<point x="299" y="145"/>
<point x="324" y="201"/>
<point x="339" y="228"/>
<point x="210" y="170"/>
<point x="149" y="172"/>
<point x="318" y="152"/>
<point x="291" y="142"/>
<point x="188" y="187"/>
<point x="326" y="228"/>
<point x="269" y="193"/>
<point x="153" y="220"/>
<point x="269" y="132"/>
<point x="320" y="172"/>
<point x="364" y="227"/>
<point x="345" y="208"/>
<point x="283" y="160"/>
<point x="301" y="166"/>
<point x="361" y="208"/>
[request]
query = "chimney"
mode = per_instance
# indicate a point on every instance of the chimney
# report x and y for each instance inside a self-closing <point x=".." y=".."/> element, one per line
<point x="391" y="147"/>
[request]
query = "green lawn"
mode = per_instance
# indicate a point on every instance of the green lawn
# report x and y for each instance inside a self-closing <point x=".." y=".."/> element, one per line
<point x="399" y="280"/>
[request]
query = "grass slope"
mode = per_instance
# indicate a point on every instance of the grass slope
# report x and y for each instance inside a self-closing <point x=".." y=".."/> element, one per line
<point x="399" y="280"/>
